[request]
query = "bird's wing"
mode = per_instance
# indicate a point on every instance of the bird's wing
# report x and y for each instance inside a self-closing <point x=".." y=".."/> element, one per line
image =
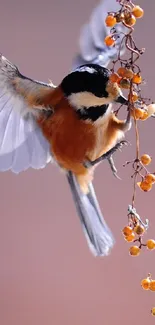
<point x="91" y="42"/>
<point x="22" y="144"/>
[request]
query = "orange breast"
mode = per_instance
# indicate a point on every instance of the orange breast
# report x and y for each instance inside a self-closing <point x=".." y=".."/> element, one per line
<point x="71" y="139"/>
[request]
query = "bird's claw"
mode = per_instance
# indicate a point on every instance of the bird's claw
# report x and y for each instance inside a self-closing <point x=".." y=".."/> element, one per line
<point x="108" y="155"/>
<point x="113" y="168"/>
<point x="88" y="164"/>
<point x="120" y="144"/>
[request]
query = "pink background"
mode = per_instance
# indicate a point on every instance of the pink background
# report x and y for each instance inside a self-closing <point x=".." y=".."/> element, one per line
<point x="47" y="274"/>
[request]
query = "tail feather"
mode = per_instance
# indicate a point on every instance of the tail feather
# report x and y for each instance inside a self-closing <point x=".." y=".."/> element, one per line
<point x="99" y="237"/>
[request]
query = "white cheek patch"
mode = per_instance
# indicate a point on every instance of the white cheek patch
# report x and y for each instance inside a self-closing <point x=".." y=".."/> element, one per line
<point x="87" y="99"/>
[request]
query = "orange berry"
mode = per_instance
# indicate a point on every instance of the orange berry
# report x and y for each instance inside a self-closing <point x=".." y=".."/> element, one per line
<point x="127" y="231"/>
<point x="137" y="79"/>
<point x="128" y="73"/>
<point x="119" y="80"/>
<point x="153" y="311"/>
<point x="137" y="113"/>
<point x="152" y="285"/>
<point x="110" y="21"/>
<point x="130" y="20"/>
<point x="109" y="41"/>
<point x="119" y="17"/>
<point x="151" y="109"/>
<point x="121" y="71"/>
<point x="145" y="159"/>
<point x="130" y="238"/>
<point x="145" y="283"/>
<point x="139" y="229"/>
<point x="125" y="84"/>
<point x="150" y="178"/>
<point x="138" y="12"/>
<point x="146" y="187"/>
<point x="133" y="97"/>
<point x="134" y="250"/>
<point x="150" y="244"/>
<point x="114" y="77"/>
<point x="144" y="116"/>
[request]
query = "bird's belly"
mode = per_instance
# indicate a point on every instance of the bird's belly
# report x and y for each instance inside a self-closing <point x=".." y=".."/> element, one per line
<point x="73" y="141"/>
<point x="72" y="146"/>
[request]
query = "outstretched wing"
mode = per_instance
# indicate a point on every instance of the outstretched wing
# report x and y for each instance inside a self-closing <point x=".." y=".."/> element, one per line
<point x="91" y="42"/>
<point x="22" y="144"/>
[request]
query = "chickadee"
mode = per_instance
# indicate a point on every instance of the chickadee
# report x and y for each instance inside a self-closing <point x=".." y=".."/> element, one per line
<point x="72" y="124"/>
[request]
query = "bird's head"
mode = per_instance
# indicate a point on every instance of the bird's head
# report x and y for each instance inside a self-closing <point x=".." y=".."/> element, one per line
<point x="89" y="87"/>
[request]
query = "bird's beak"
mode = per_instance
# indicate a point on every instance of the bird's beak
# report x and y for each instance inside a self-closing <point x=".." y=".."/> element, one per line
<point x="121" y="100"/>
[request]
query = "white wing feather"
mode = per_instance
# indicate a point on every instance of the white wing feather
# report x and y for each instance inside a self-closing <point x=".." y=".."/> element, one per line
<point x="22" y="144"/>
<point x="91" y="41"/>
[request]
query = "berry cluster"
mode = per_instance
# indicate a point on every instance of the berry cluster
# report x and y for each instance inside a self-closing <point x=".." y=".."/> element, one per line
<point x="148" y="179"/>
<point x="133" y="233"/>
<point x="123" y="77"/>
<point x="128" y="76"/>
<point x="127" y="15"/>
<point x="149" y="284"/>
<point x="139" y="167"/>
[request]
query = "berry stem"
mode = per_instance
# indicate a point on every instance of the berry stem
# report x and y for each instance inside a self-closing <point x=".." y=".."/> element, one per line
<point x="130" y="63"/>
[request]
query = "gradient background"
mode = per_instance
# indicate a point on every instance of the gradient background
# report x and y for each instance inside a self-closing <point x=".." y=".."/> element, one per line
<point x="47" y="274"/>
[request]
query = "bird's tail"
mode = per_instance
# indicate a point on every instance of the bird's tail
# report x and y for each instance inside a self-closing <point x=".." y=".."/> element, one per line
<point x="99" y="237"/>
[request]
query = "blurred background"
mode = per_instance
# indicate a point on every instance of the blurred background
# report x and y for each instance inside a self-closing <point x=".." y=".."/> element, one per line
<point x="47" y="273"/>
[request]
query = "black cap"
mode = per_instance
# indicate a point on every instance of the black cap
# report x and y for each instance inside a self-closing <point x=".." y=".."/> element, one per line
<point x="89" y="77"/>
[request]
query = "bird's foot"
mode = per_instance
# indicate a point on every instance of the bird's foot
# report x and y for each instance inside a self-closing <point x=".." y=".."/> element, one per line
<point x="108" y="155"/>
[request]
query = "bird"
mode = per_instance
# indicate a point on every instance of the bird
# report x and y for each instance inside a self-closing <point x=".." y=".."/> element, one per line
<point x="72" y="124"/>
